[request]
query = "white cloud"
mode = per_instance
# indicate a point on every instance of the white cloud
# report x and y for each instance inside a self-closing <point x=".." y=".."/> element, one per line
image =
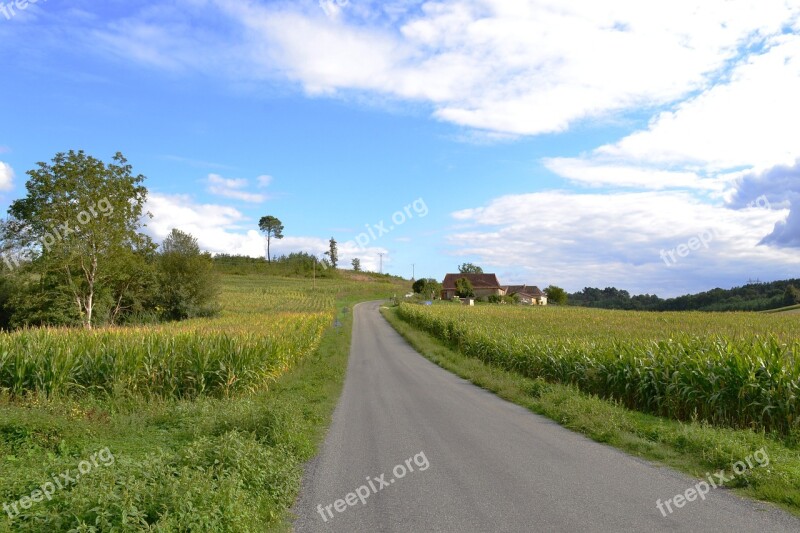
<point x="370" y="260"/>
<point x="222" y="229"/>
<point x="750" y="120"/>
<point x="233" y="188"/>
<point x="600" y="174"/>
<point x="734" y="141"/>
<point x="6" y="177"/>
<point x="333" y="8"/>
<point x="265" y="180"/>
<point x="578" y="240"/>
<point x="217" y="228"/>
<point x="507" y="66"/>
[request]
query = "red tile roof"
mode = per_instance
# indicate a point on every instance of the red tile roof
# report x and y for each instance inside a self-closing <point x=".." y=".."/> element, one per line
<point x="479" y="281"/>
<point x="528" y="290"/>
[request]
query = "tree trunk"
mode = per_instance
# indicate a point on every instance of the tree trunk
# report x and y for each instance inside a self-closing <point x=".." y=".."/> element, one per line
<point x="269" y="260"/>
<point x="91" y="276"/>
<point x="89" y="308"/>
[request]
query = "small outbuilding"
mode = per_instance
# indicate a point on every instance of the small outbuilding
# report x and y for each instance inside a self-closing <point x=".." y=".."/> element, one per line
<point x="527" y="294"/>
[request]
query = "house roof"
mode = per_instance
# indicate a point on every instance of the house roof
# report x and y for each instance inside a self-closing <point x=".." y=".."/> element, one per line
<point x="479" y="281"/>
<point x="527" y="290"/>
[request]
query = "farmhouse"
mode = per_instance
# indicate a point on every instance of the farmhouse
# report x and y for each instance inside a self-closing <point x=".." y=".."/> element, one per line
<point x="482" y="284"/>
<point x="527" y="294"/>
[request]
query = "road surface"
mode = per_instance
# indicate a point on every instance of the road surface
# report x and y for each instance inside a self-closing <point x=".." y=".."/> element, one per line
<point x="413" y="448"/>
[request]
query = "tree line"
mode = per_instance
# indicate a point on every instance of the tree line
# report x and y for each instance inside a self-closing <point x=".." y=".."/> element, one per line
<point x="750" y="297"/>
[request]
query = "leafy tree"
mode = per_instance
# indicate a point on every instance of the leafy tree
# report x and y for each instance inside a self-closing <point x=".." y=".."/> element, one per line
<point x="464" y="288"/>
<point x="134" y="289"/>
<point x="40" y="301"/>
<point x="556" y="295"/>
<point x="791" y="295"/>
<point x="187" y="280"/>
<point x="512" y="299"/>
<point x="272" y="229"/>
<point x="426" y="287"/>
<point x="333" y="253"/>
<point x="419" y="285"/>
<point x="80" y="219"/>
<point x="469" y="268"/>
<point x="356" y="264"/>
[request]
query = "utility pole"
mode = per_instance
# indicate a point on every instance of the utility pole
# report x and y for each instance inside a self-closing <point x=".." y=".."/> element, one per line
<point x="413" y="272"/>
<point x="381" y="254"/>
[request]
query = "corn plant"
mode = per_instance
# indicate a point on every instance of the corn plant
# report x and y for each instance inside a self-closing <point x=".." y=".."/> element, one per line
<point x="733" y="369"/>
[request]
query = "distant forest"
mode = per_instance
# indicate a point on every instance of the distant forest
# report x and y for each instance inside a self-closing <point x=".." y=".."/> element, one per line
<point x="750" y="297"/>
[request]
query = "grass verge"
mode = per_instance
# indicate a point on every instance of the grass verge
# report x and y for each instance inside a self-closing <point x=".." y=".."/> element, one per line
<point x="694" y="448"/>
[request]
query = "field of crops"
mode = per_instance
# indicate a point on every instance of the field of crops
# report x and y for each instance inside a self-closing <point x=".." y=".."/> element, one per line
<point x="262" y="331"/>
<point x="735" y="369"/>
<point x="209" y="420"/>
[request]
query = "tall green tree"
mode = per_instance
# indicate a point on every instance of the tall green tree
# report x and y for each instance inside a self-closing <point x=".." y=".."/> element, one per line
<point x="427" y="287"/>
<point x="469" y="268"/>
<point x="791" y="296"/>
<point x="356" y="264"/>
<point x="333" y="252"/>
<point x="464" y="288"/>
<point x="188" y="282"/>
<point x="79" y="220"/>
<point x="556" y="295"/>
<point x="272" y="228"/>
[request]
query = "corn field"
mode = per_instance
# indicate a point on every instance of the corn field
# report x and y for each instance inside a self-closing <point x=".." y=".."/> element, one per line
<point x="734" y="369"/>
<point x="265" y="328"/>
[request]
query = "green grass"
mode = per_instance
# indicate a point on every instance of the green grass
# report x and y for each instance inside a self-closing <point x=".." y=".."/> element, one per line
<point x="692" y="447"/>
<point x="204" y="462"/>
<point x="783" y="309"/>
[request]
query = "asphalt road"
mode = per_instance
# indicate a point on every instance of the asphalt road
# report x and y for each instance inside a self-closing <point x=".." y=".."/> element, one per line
<point x="471" y="462"/>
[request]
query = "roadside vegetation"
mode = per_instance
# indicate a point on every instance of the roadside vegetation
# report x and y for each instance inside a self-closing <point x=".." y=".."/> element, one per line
<point x="203" y="384"/>
<point x="209" y="420"/>
<point x="73" y="252"/>
<point x="693" y="446"/>
<point x="737" y="370"/>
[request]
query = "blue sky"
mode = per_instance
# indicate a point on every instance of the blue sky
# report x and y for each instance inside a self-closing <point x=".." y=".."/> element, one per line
<point x="650" y="147"/>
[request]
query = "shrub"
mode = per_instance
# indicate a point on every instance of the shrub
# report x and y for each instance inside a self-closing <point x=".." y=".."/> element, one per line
<point x="188" y="283"/>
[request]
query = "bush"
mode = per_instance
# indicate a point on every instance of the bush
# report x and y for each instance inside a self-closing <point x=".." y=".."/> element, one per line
<point x="791" y="296"/>
<point x="188" y="283"/>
